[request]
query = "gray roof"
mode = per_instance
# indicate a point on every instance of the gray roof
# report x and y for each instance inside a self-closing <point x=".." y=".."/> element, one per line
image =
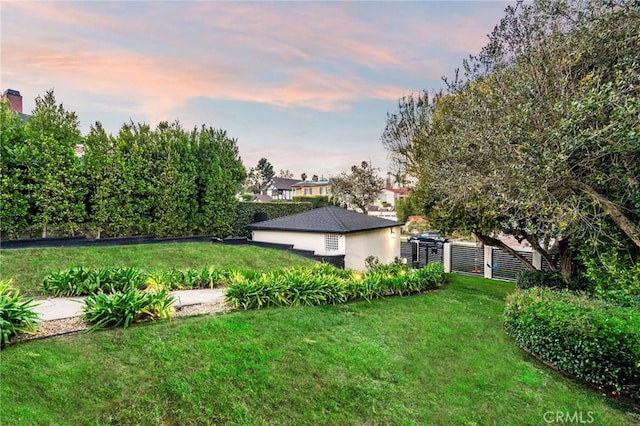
<point x="331" y="219"/>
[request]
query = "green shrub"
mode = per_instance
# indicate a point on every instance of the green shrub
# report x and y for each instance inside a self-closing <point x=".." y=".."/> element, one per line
<point x="123" y="308"/>
<point x="592" y="339"/>
<point x="82" y="282"/>
<point x="550" y="279"/>
<point x="321" y="284"/>
<point x="16" y="313"/>
<point x="538" y="278"/>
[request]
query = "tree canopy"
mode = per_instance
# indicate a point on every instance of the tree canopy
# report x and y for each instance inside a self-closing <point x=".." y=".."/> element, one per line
<point x="357" y="189"/>
<point x="260" y="175"/>
<point x="539" y="135"/>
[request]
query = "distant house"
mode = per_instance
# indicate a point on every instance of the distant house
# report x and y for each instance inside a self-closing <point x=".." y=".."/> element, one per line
<point x="311" y="188"/>
<point x="332" y="231"/>
<point x="280" y="188"/>
<point x="390" y="196"/>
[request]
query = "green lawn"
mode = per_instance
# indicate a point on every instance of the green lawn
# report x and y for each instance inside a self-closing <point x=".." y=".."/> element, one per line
<point x="28" y="267"/>
<point x="440" y="358"/>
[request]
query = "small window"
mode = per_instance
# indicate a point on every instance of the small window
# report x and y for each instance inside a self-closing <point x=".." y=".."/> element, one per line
<point x="331" y="242"/>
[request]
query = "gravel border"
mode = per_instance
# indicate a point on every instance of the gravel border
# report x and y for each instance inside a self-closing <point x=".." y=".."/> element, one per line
<point x="76" y="325"/>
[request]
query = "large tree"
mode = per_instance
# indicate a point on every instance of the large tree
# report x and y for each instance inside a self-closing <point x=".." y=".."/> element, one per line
<point x="57" y="179"/>
<point x="538" y="138"/>
<point x="259" y="176"/>
<point x="357" y="189"/>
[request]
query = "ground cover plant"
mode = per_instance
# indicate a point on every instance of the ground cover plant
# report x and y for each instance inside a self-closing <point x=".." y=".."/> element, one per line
<point x="437" y="358"/>
<point x="29" y="267"/>
<point x="82" y="281"/>
<point x="16" y="313"/>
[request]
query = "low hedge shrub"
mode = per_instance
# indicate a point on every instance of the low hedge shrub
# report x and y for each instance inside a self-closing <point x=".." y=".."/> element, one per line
<point x="590" y="338"/>
<point x="324" y="284"/>
<point x="16" y="314"/>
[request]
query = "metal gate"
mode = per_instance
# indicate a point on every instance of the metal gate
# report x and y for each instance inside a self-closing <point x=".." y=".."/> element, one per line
<point x="418" y="254"/>
<point x="467" y="259"/>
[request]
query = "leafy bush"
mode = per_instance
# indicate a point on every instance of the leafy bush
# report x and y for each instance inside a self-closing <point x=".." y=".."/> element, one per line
<point x="550" y="279"/>
<point x="592" y="339"/>
<point x="81" y="281"/>
<point x="123" y="308"/>
<point x="16" y="314"/>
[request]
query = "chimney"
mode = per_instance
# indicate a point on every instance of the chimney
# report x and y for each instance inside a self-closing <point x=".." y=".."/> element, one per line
<point x="15" y="100"/>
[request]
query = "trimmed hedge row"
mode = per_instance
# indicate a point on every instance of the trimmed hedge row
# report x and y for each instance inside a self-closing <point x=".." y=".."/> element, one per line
<point x="591" y="339"/>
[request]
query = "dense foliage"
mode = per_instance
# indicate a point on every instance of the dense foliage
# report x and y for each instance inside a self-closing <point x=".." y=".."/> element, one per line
<point x="592" y="339"/>
<point x="16" y="314"/>
<point x="165" y="181"/>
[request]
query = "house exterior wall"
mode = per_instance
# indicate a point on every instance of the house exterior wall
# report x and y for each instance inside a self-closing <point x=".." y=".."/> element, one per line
<point x="382" y="243"/>
<point x="279" y="194"/>
<point x="357" y="246"/>
<point x="301" y="240"/>
<point x="311" y="190"/>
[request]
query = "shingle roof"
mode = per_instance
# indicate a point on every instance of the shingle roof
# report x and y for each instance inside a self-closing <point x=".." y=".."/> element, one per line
<point x="283" y="183"/>
<point x="326" y="219"/>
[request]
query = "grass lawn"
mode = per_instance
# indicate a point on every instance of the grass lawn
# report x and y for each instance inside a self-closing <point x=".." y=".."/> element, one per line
<point x="29" y="267"/>
<point x="440" y="358"/>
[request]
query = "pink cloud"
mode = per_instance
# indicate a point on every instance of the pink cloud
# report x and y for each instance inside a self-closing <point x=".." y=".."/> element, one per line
<point x="311" y="52"/>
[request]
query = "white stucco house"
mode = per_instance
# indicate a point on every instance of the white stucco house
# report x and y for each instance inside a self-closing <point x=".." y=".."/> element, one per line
<point x="332" y="231"/>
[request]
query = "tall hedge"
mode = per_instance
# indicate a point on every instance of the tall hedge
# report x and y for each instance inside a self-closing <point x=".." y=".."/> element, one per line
<point x="248" y="213"/>
<point x="163" y="181"/>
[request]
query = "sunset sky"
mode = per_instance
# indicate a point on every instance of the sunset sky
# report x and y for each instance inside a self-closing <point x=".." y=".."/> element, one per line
<point x="307" y="85"/>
